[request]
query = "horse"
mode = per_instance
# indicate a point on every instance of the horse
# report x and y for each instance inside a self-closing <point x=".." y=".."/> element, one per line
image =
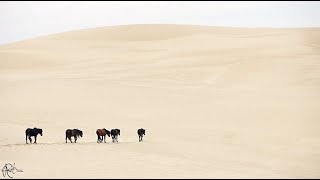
<point x="33" y="132"/>
<point x="114" y="134"/>
<point x="141" y="132"/>
<point x="75" y="133"/>
<point x="102" y="132"/>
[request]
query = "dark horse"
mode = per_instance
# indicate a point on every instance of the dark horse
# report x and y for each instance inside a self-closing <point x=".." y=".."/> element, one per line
<point x="114" y="134"/>
<point x="141" y="132"/>
<point x="75" y="133"/>
<point x="102" y="132"/>
<point x="33" y="132"/>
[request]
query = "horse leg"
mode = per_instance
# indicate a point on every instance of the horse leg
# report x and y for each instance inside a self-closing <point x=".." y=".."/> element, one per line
<point x="26" y="139"/>
<point x="70" y="139"/>
<point x="30" y="139"/>
<point x="75" y="139"/>
<point x="35" y="139"/>
<point x="104" y="138"/>
<point x="98" y="138"/>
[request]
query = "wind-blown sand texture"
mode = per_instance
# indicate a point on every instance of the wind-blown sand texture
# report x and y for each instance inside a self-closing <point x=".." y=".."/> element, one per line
<point x="215" y="102"/>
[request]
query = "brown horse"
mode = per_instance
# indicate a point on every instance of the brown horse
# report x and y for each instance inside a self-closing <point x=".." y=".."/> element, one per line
<point x="102" y="132"/>
<point x="75" y="133"/>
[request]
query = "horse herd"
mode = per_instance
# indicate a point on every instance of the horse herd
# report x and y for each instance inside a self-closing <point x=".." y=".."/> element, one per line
<point x="76" y="133"/>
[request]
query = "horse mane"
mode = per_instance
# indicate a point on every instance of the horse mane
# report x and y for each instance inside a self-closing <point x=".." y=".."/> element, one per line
<point x="37" y="129"/>
<point x="77" y="132"/>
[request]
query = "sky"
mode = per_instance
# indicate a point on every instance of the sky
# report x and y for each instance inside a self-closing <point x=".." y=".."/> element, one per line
<point x="20" y="20"/>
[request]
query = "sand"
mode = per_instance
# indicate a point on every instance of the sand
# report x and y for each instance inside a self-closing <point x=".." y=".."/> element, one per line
<point x="216" y="102"/>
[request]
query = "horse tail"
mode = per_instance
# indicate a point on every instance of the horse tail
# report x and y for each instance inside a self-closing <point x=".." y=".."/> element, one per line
<point x="26" y="136"/>
<point x="67" y="135"/>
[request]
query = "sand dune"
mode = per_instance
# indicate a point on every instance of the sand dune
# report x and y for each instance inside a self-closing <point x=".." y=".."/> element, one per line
<point x="215" y="102"/>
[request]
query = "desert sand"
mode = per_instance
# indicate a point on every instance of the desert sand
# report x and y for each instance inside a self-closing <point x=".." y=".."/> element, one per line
<point x="216" y="102"/>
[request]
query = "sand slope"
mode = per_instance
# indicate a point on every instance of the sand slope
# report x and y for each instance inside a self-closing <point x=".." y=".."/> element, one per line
<point x="215" y="102"/>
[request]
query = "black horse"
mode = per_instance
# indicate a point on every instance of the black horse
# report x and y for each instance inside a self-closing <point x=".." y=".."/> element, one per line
<point x="114" y="134"/>
<point x="101" y="133"/>
<point x="75" y="133"/>
<point x="33" y="132"/>
<point x="141" y="132"/>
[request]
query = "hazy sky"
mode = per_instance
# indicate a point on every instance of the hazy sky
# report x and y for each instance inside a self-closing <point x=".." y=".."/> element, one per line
<point x="22" y="20"/>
